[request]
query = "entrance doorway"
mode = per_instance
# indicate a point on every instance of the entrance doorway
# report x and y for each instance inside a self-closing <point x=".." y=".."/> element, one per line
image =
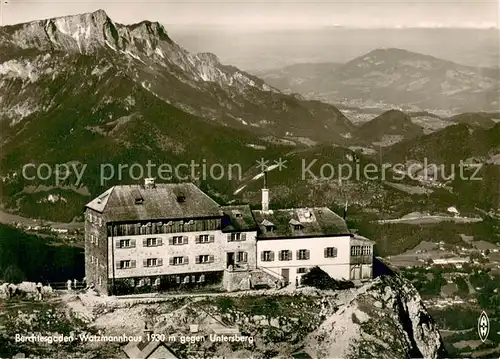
<point x="230" y="259"/>
<point x="285" y="273"/>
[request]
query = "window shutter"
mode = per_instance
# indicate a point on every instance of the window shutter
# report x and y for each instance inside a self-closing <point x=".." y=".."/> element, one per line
<point x="117" y="243"/>
<point x="171" y="261"/>
<point x="132" y="243"/>
<point x="211" y="258"/>
<point x="117" y="263"/>
<point x="212" y="238"/>
<point x="132" y="264"/>
<point x="334" y="252"/>
<point x="229" y="237"/>
<point x="145" y="262"/>
<point x="159" y="262"/>
<point x="271" y="256"/>
<point x="170" y="240"/>
<point x="197" y="259"/>
<point x="245" y="257"/>
<point x="289" y="255"/>
<point x="326" y="252"/>
<point x="159" y="241"/>
<point x="243" y="236"/>
<point x="186" y="260"/>
<point x="308" y="254"/>
<point x="262" y="257"/>
<point x="185" y="240"/>
<point x="145" y="242"/>
<point x="297" y="254"/>
<point x="196" y="239"/>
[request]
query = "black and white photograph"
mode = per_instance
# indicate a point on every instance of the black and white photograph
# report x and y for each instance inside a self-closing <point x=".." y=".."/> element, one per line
<point x="249" y="179"/>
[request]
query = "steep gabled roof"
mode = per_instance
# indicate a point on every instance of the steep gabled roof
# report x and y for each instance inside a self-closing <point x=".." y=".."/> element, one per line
<point x="164" y="201"/>
<point x="143" y="349"/>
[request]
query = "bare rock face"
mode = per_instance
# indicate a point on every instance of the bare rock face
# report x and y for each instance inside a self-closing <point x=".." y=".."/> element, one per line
<point x="386" y="316"/>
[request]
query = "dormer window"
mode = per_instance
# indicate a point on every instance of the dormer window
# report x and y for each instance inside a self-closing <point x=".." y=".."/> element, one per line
<point x="297" y="226"/>
<point x="269" y="228"/>
<point x="139" y="200"/>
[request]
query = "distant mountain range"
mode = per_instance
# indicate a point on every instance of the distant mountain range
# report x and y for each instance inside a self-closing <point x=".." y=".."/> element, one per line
<point x="394" y="78"/>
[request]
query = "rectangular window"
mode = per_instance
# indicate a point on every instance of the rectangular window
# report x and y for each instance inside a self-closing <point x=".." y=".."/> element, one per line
<point x="124" y="243"/>
<point x="151" y="262"/>
<point x="285" y="255"/>
<point x="236" y="237"/>
<point x="204" y="238"/>
<point x="242" y="257"/>
<point x="267" y="256"/>
<point x="302" y="254"/>
<point x="330" y="252"/>
<point x="178" y="240"/>
<point x="301" y="270"/>
<point x="355" y="251"/>
<point x="125" y="264"/>
<point x="151" y="242"/>
<point x="178" y="260"/>
<point x="205" y="258"/>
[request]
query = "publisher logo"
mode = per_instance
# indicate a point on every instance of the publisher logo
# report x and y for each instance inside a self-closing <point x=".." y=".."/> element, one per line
<point x="483" y="326"/>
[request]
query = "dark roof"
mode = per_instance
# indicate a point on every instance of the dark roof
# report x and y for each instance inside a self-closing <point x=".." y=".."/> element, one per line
<point x="314" y="222"/>
<point x="238" y="218"/>
<point x="143" y="349"/>
<point x="164" y="201"/>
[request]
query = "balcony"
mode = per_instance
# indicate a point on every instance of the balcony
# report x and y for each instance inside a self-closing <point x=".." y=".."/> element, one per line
<point x="368" y="259"/>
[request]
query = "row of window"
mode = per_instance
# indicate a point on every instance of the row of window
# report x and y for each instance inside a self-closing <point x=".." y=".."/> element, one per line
<point x="177" y="240"/>
<point x="95" y="219"/>
<point x="130" y="229"/>
<point x="300" y="254"/>
<point x="178" y="260"/>
<point x="156" y="282"/>
<point x="361" y="251"/>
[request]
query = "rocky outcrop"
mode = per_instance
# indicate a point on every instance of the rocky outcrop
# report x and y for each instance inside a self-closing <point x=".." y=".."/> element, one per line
<point x="382" y="319"/>
<point x="386" y="316"/>
<point x="26" y="289"/>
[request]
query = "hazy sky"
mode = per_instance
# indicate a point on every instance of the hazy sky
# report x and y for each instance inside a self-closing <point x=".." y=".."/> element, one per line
<point x="257" y="14"/>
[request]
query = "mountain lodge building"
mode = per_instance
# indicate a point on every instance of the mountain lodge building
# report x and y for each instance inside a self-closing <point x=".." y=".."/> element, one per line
<point x="156" y="237"/>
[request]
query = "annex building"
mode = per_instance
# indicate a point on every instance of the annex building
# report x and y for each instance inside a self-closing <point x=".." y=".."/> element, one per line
<point x="141" y="238"/>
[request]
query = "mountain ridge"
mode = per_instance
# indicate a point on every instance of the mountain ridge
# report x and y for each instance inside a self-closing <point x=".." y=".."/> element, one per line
<point x="393" y="77"/>
<point x="196" y="83"/>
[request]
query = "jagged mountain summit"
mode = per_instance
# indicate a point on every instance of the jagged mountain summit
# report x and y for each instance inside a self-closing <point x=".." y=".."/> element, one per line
<point x="40" y="52"/>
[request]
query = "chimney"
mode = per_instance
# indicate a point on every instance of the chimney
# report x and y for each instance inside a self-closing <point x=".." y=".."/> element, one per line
<point x="149" y="183"/>
<point x="265" y="195"/>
